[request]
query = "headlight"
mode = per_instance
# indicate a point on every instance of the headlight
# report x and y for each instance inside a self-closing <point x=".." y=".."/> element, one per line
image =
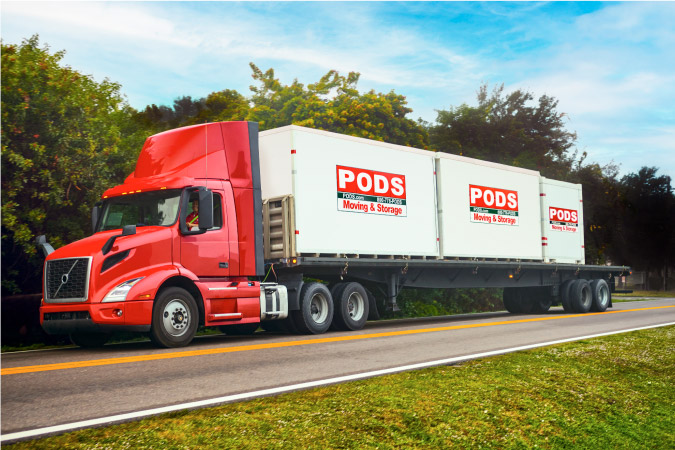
<point x="119" y="293"/>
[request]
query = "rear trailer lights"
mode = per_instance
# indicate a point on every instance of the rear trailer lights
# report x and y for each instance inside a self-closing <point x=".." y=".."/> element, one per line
<point x="120" y="292"/>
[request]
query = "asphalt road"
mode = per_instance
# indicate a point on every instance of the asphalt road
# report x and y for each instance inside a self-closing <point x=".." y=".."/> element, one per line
<point x="131" y="377"/>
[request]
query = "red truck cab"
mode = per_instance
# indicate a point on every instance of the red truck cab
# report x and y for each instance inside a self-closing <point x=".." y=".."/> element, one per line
<point x="145" y="268"/>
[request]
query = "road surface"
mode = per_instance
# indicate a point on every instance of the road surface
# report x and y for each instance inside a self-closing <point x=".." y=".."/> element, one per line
<point x="66" y="386"/>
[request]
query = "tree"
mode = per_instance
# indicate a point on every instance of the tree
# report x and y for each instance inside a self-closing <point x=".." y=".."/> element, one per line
<point x="61" y="147"/>
<point x="602" y="210"/>
<point x="508" y="129"/>
<point x="334" y="104"/>
<point x="648" y="222"/>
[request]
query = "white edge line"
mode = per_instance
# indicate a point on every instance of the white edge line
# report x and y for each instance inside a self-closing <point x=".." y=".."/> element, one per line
<point x="293" y="387"/>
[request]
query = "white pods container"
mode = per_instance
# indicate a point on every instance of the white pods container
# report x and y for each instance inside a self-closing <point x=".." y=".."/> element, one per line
<point x="487" y="210"/>
<point x="352" y="195"/>
<point x="562" y="222"/>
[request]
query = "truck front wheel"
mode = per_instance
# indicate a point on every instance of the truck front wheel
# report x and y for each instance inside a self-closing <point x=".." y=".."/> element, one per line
<point x="174" y="318"/>
<point x="316" y="309"/>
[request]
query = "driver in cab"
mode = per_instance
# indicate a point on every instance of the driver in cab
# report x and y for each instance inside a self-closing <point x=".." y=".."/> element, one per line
<point x="192" y="220"/>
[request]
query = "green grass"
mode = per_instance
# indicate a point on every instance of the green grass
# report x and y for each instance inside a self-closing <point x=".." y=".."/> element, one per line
<point x="615" y="392"/>
<point x="646" y="294"/>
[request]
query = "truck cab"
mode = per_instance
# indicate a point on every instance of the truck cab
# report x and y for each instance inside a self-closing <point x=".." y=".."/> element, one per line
<point x="146" y="268"/>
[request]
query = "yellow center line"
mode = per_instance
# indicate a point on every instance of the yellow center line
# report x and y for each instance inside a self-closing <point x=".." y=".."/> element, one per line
<point x="243" y="348"/>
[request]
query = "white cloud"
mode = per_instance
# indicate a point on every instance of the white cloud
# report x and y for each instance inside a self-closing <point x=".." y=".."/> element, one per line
<point x="611" y="69"/>
<point x="96" y="19"/>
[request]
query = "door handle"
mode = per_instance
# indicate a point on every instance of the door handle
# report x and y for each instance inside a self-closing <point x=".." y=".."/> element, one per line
<point x="222" y="265"/>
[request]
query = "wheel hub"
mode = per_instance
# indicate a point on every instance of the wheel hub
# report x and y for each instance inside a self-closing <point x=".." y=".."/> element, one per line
<point x="176" y="318"/>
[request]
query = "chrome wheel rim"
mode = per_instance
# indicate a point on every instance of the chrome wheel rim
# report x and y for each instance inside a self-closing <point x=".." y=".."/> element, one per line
<point x="355" y="306"/>
<point x="319" y="308"/>
<point x="176" y="317"/>
<point x="603" y="296"/>
<point x="586" y="298"/>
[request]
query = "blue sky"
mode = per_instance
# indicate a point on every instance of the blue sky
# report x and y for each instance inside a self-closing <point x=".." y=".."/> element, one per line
<point x="610" y="65"/>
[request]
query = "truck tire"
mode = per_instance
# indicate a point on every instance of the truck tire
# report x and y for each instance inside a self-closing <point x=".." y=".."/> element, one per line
<point x="527" y="300"/>
<point x="351" y="307"/>
<point x="174" y="318"/>
<point x="601" y="295"/>
<point x="336" y="292"/>
<point x="541" y="299"/>
<point x="89" y="340"/>
<point x="565" y="295"/>
<point x="239" y="329"/>
<point x="316" y="309"/>
<point x="581" y="297"/>
<point x="511" y="300"/>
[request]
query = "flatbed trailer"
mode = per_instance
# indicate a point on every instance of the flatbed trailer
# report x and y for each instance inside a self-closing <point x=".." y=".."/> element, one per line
<point x="222" y="226"/>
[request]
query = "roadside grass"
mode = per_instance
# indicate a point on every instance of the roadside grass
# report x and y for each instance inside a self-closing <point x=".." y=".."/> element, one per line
<point x="615" y="392"/>
<point x="648" y="295"/>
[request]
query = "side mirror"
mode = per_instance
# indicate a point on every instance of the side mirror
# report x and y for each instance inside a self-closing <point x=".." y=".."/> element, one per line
<point x="95" y="212"/>
<point x="205" y="209"/>
<point x="41" y="242"/>
<point x="127" y="230"/>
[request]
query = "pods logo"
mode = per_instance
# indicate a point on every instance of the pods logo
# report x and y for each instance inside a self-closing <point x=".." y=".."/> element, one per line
<point x="561" y="219"/>
<point x="370" y="192"/>
<point x="493" y="205"/>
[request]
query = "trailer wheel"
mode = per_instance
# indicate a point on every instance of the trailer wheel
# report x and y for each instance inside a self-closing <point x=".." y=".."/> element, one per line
<point x="581" y="297"/>
<point x="351" y="307"/>
<point x="541" y="299"/>
<point x="565" y="295"/>
<point x="601" y="295"/>
<point x="527" y="300"/>
<point x="89" y="340"/>
<point x="511" y="300"/>
<point x="336" y="292"/>
<point x="316" y="309"/>
<point x="239" y="329"/>
<point x="174" y="318"/>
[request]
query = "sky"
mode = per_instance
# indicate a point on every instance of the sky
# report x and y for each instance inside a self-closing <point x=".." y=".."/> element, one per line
<point x="611" y="66"/>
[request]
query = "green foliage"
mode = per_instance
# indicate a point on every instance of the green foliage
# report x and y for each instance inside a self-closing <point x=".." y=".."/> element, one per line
<point x="62" y="146"/>
<point x="602" y="212"/>
<point x="648" y="220"/>
<point x="334" y="104"/>
<point x="508" y="129"/>
<point x="439" y="302"/>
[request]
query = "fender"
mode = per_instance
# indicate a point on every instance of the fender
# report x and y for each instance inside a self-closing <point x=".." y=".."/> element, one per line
<point x="152" y="280"/>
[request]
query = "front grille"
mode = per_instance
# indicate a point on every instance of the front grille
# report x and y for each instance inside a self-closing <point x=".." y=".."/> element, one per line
<point x="67" y="280"/>
<point x="68" y="315"/>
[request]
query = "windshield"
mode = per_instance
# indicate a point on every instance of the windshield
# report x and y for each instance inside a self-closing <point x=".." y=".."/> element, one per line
<point x="148" y="208"/>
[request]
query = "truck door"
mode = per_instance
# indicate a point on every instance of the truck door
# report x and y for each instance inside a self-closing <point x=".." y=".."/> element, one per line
<point x="208" y="254"/>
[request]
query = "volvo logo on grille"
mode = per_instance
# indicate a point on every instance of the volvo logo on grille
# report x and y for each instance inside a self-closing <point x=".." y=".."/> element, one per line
<point x="64" y="277"/>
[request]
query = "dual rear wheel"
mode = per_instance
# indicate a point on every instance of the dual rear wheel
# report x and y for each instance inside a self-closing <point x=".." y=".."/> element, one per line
<point x="577" y="296"/>
<point x="344" y="307"/>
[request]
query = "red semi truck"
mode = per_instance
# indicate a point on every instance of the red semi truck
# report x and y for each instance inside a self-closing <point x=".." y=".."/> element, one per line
<point x="266" y="205"/>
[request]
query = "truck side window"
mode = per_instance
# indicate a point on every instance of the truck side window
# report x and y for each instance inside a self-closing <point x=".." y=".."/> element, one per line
<point x="217" y="212"/>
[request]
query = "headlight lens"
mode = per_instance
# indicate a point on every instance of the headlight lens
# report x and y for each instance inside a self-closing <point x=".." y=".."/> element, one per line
<point x="119" y="293"/>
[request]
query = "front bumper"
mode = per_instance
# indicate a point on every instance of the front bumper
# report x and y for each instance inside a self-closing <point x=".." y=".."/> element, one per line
<point x="96" y="317"/>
